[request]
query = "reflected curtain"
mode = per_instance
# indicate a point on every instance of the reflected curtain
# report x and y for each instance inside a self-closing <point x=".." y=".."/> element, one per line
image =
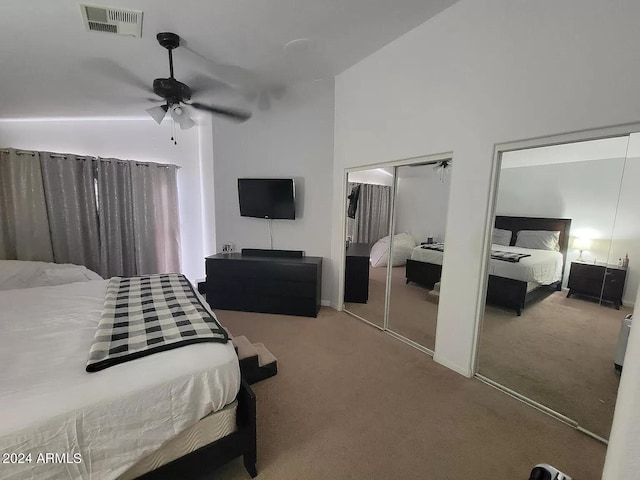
<point x="70" y="192"/>
<point x="155" y="217"/>
<point x="115" y="217"/>
<point x="371" y="221"/>
<point x="24" y="224"/>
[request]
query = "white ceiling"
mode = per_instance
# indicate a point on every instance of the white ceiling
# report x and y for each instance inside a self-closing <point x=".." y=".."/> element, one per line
<point x="51" y="67"/>
<point x="603" y="149"/>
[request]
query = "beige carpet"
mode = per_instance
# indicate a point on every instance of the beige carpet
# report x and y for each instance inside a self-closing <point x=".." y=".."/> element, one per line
<point x="350" y="402"/>
<point x="560" y="353"/>
<point x="410" y="314"/>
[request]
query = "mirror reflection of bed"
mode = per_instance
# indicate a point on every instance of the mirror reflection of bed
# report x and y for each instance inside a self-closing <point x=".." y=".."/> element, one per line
<point x="561" y="351"/>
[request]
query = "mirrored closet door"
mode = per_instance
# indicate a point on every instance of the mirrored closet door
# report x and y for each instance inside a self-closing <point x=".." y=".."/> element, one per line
<point x="419" y="217"/>
<point x="368" y="220"/>
<point x="559" y="287"/>
<point x="395" y="224"/>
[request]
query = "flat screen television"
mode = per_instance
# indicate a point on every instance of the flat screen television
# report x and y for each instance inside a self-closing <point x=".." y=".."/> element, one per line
<point x="272" y="198"/>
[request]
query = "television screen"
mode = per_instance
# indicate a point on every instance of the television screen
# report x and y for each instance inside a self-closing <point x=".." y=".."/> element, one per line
<point x="267" y="197"/>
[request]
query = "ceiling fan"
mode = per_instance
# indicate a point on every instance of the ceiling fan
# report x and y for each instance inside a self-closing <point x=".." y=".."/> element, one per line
<point x="176" y="94"/>
<point x="441" y="167"/>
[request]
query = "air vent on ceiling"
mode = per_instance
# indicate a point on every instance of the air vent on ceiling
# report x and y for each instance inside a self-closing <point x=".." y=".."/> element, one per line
<point x="112" y="20"/>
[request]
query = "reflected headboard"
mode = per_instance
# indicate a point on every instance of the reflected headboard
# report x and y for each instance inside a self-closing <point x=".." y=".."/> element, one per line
<point x="515" y="224"/>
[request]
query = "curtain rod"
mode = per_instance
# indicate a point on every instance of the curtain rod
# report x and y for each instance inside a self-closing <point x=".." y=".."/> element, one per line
<point x="88" y="157"/>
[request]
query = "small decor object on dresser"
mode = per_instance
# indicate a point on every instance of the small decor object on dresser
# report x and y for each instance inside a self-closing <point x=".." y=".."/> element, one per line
<point x="598" y="281"/>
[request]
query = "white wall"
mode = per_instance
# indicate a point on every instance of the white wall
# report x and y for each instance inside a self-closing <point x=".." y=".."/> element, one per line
<point x="421" y="202"/>
<point x="481" y="73"/>
<point x="376" y="176"/>
<point x="141" y="140"/>
<point x="626" y="232"/>
<point x="292" y="139"/>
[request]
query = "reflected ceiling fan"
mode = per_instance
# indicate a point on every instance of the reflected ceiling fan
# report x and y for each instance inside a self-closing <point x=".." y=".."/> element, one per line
<point x="176" y="94"/>
<point x="441" y="167"/>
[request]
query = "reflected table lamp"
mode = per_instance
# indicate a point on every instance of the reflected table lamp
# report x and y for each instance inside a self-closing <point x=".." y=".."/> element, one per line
<point x="582" y="244"/>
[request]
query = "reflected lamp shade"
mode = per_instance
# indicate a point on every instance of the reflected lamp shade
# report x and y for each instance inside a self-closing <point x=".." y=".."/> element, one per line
<point x="158" y="113"/>
<point x="179" y="115"/>
<point x="581" y="243"/>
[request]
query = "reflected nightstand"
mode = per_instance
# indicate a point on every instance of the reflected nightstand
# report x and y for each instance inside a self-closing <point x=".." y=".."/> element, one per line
<point x="593" y="280"/>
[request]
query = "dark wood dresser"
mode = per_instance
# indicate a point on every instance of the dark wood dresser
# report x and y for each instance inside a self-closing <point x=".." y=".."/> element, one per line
<point x="356" y="273"/>
<point x="289" y="286"/>
<point x="592" y="280"/>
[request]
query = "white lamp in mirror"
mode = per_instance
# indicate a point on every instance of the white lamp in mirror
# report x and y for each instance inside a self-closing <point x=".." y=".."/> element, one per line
<point x="582" y="244"/>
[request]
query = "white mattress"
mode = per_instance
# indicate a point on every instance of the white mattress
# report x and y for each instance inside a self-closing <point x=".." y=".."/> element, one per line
<point x="543" y="266"/>
<point x="112" y="418"/>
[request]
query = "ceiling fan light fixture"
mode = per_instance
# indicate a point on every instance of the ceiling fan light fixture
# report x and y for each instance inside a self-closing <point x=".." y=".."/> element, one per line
<point x="157" y="113"/>
<point x="186" y="123"/>
<point x="181" y="117"/>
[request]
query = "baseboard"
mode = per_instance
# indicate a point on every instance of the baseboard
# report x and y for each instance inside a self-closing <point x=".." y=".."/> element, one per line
<point x="466" y="372"/>
<point x="325" y="303"/>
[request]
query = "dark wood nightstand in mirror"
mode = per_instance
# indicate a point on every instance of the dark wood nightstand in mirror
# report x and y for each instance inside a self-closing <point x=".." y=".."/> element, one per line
<point x="356" y="273"/>
<point x="597" y="281"/>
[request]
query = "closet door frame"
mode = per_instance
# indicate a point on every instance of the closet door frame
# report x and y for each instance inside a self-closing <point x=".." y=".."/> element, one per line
<point x="499" y="149"/>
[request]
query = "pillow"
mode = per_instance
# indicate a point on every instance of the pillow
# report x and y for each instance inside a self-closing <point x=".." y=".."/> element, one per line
<point x="403" y="244"/>
<point x="24" y="274"/>
<point x="501" y="237"/>
<point x="539" y="240"/>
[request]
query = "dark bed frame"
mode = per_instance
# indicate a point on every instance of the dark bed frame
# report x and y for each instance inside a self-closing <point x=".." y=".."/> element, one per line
<point x="200" y="464"/>
<point x="501" y="291"/>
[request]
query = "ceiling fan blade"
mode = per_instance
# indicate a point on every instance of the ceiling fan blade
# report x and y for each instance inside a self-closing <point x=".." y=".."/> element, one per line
<point x="107" y="68"/>
<point x="201" y="84"/>
<point x="232" y="113"/>
<point x="232" y="75"/>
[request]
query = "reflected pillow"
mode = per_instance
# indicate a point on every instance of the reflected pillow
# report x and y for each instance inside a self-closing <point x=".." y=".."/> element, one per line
<point x="539" y="240"/>
<point x="501" y="237"/>
<point x="403" y="244"/>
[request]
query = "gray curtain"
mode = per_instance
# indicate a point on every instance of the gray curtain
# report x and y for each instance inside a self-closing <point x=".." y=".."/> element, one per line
<point x="118" y="218"/>
<point x="24" y="225"/>
<point x="372" y="215"/>
<point x="155" y="218"/>
<point x="70" y="192"/>
<point x="115" y="216"/>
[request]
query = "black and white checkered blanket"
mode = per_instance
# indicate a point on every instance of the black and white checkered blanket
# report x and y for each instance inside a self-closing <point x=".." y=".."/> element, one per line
<point x="508" y="256"/>
<point x="145" y="315"/>
<point x="433" y="246"/>
<point x="495" y="254"/>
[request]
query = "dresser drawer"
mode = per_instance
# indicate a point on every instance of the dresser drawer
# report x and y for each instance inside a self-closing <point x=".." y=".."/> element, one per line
<point x="263" y="286"/>
<point x="261" y="270"/>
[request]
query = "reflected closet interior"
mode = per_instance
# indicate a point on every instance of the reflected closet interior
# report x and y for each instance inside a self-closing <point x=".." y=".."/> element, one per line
<point x="395" y="221"/>
<point x="562" y="277"/>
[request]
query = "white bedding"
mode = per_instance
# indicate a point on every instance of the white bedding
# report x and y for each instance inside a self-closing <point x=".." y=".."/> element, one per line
<point x="49" y="404"/>
<point x="543" y="266"/>
<point x="26" y="274"/>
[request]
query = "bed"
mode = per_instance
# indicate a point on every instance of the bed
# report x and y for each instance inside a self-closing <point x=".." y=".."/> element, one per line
<point x="134" y="420"/>
<point x="510" y="285"/>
